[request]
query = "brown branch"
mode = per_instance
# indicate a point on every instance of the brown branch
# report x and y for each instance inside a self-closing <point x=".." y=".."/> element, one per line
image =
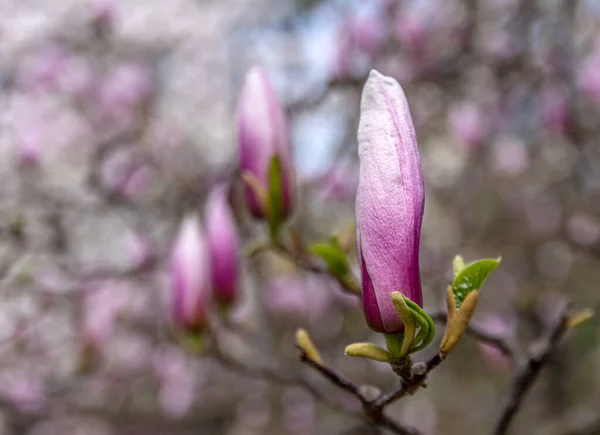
<point x="528" y="373"/>
<point x="372" y="409"/>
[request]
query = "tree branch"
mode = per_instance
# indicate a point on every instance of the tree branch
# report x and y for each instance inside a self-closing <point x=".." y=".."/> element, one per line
<point x="372" y="409"/>
<point x="528" y="373"/>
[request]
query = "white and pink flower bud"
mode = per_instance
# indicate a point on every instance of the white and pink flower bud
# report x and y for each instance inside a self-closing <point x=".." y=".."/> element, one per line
<point x="389" y="202"/>
<point x="262" y="133"/>
<point x="190" y="277"/>
<point x="223" y="245"/>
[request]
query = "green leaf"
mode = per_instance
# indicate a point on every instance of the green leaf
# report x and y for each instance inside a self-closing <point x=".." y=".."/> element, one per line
<point x="334" y="257"/>
<point x="472" y="277"/>
<point x="275" y="197"/>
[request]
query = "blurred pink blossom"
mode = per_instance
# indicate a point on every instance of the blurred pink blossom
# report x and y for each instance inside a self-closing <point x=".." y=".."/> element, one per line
<point x="177" y="382"/>
<point x="304" y="298"/>
<point x="30" y="144"/>
<point x="139" y="249"/>
<point x="137" y="181"/>
<point x="583" y="229"/>
<point x="121" y="94"/>
<point x="368" y="28"/>
<point x="78" y="78"/>
<point x="126" y="87"/>
<point x="589" y="78"/>
<point x="104" y="302"/>
<point x="496" y="325"/>
<point x="340" y="182"/>
<point x="25" y="391"/>
<point x="103" y="13"/>
<point x="509" y="157"/>
<point x="554" y="109"/>
<point x="468" y="124"/>
<point x="42" y="70"/>
<point x="412" y="32"/>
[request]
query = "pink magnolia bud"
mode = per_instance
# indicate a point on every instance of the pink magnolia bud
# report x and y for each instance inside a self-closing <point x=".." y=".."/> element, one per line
<point x="223" y="244"/>
<point x="389" y="202"/>
<point x="262" y="133"/>
<point x="190" y="277"/>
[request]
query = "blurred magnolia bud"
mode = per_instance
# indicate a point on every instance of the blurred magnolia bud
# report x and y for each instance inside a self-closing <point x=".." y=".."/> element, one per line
<point x="43" y="69"/>
<point x="29" y="142"/>
<point x="369" y="31"/>
<point x="467" y="124"/>
<point x="223" y="245"/>
<point x="412" y="32"/>
<point x="190" y="277"/>
<point x="103" y="15"/>
<point x="389" y="203"/>
<point x="262" y="134"/>
<point x="128" y="86"/>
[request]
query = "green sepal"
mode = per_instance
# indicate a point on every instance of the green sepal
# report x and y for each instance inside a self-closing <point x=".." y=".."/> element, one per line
<point x="394" y="343"/>
<point x="472" y="277"/>
<point x="410" y="328"/>
<point x="275" y="198"/>
<point x="367" y="350"/>
<point x="426" y="325"/>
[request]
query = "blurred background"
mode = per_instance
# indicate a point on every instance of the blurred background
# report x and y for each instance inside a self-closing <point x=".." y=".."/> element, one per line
<point x="116" y="117"/>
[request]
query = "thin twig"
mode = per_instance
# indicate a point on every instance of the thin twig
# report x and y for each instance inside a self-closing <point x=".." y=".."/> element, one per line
<point x="372" y="410"/>
<point x="528" y="373"/>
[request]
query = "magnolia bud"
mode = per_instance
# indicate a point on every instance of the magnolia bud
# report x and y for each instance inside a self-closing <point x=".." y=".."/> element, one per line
<point x="389" y="203"/>
<point x="262" y="134"/>
<point x="190" y="279"/>
<point x="223" y="245"/>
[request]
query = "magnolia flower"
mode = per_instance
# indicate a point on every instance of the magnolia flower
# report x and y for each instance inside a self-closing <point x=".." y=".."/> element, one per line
<point x="389" y="202"/>
<point x="262" y="133"/>
<point x="190" y="279"/>
<point x="223" y="245"/>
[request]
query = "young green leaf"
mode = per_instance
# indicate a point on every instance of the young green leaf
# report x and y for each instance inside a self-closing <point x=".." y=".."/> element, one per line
<point x="334" y="257"/>
<point x="472" y="277"/>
